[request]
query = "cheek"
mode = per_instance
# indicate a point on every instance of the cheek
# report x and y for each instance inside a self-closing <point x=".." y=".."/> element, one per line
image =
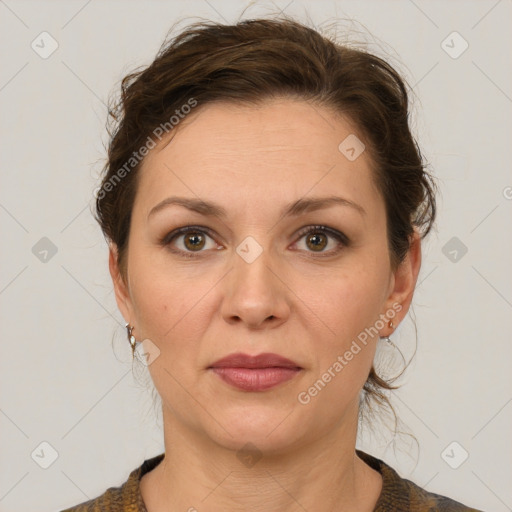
<point x="351" y="305"/>
<point x="170" y="305"/>
<point x="352" y="302"/>
<point x="173" y="314"/>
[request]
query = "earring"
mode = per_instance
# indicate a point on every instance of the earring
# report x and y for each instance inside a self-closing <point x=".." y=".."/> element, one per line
<point x="131" y="338"/>
<point x="386" y="338"/>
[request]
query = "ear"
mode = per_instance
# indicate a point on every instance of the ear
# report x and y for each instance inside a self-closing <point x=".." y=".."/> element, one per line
<point x="403" y="281"/>
<point x="121" y="289"/>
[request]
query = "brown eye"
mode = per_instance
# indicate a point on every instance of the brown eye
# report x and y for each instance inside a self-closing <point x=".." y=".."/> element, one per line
<point x="189" y="241"/>
<point x="318" y="238"/>
<point x="194" y="240"/>
<point x="316" y="241"/>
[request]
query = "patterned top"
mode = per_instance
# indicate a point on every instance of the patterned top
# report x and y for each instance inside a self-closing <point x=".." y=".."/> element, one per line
<point x="397" y="495"/>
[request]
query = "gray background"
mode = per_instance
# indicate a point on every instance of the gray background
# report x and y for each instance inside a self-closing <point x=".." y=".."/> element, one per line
<point x="65" y="370"/>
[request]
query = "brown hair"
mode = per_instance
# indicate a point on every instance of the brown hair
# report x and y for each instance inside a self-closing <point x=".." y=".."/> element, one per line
<point x="249" y="62"/>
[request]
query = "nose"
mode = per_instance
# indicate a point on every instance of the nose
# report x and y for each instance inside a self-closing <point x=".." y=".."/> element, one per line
<point x="255" y="294"/>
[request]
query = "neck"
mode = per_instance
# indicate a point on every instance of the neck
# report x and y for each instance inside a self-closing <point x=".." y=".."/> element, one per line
<point x="198" y="474"/>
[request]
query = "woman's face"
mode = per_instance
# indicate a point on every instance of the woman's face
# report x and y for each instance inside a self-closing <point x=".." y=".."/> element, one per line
<point x="249" y="278"/>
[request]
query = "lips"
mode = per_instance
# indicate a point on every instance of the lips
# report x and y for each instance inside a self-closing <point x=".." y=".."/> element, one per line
<point x="266" y="360"/>
<point x="255" y="373"/>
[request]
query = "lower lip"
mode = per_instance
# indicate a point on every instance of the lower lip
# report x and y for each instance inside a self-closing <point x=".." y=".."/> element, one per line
<point x="256" y="379"/>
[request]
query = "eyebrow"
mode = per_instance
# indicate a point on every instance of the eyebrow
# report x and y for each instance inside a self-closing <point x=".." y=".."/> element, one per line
<point x="296" y="208"/>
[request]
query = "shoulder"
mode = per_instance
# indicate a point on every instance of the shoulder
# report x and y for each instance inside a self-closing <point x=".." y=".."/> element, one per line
<point x="122" y="498"/>
<point x="111" y="500"/>
<point x="401" y="495"/>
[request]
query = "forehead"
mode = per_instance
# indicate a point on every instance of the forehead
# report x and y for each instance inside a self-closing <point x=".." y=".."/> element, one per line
<point x="282" y="148"/>
<point x="279" y="126"/>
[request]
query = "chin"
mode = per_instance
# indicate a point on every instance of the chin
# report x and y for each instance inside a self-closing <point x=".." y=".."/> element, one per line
<point x="270" y="429"/>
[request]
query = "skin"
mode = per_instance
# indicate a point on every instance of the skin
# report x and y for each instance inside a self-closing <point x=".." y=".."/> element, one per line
<point x="290" y="300"/>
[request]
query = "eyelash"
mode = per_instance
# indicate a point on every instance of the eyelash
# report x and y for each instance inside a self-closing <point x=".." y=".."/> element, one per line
<point x="339" y="236"/>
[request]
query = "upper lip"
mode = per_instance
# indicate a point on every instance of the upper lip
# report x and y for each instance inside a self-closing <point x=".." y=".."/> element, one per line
<point x="265" y="360"/>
